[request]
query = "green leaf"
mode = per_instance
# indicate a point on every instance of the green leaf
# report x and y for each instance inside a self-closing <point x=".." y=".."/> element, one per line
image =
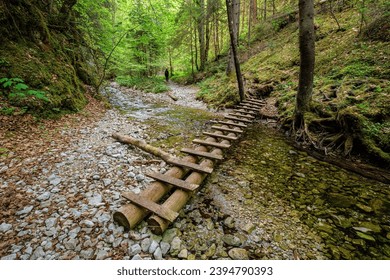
<point x="20" y="86"/>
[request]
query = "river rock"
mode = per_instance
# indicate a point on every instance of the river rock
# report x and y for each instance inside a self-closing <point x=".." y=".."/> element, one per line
<point x="238" y="254"/>
<point x="44" y="196"/>
<point x="175" y="246"/>
<point x="164" y="247"/>
<point x="38" y="253"/>
<point x="102" y="254"/>
<point x="5" y="227"/>
<point x="134" y="250"/>
<point x="231" y="240"/>
<point x="9" y="257"/>
<point x="170" y="234"/>
<point x="25" y="210"/>
<point x="342" y="201"/>
<point x="183" y="254"/>
<point x="158" y="254"/>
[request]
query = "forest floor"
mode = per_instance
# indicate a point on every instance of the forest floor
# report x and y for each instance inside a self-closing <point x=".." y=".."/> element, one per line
<point x="61" y="180"/>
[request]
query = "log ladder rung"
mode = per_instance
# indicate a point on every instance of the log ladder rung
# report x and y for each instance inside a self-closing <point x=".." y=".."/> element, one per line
<point x="255" y="102"/>
<point x="201" y="154"/>
<point x="247" y="108"/>
<point x="222" y="136"/>
<point x="192" y="166"/>
<point x="237" y="119"/>
<point x="241" y="116"/>
<point x="212" y="144"/>
<point x="251" y="105"/>
<point x="227" y="129"/>
<point x="232" y="124"/>
<point x="244" y="112"/>
<point x="157" y="209"/>
<point x="172" y="181"/>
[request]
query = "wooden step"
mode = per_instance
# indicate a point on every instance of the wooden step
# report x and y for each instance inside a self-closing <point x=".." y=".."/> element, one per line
<point x="212" y="144"/>
<point x="245" y="112"/>
<point x="221" y="136"/>
<point x="255" y="101"/>
<point x="251" y="105"/>
<point x="227" y="129"/>
<point x="157" y="209"/>
<point x="172" y="181"/>
<point x="247" y="108"/>
<point x="189" y="165"/>
<point x="237" y="119"/>
<point x="241" y="116"/>
<point x="201" y="154"/>
<point x="233" y="124"/>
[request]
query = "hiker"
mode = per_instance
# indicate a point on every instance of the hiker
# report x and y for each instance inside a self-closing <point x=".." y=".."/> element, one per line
<point x="166" y="73"/>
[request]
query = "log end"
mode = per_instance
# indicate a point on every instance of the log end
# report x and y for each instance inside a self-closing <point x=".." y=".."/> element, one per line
<point x="121" y="219"/>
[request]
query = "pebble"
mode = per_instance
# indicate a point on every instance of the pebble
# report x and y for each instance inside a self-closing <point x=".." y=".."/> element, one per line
<point x="25" y="210"/>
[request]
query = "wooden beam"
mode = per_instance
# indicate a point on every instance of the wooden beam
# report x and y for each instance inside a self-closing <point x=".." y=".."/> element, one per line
<point x="172" y="181"/>
<point x="245" y="112"/>
<point x="221" y="136"/>
<point x="201" y="154"/>
<point x="189" y="165"/>
<point x="227" y="129"/>
<point x="157" y="209"/>
<point x="212" y="144"/>
<point x="251" y="105"/>
<point x="233" y="124"/>
<point x="237" y="119"/>
<point x="241" y="116"/>
<point x="247" y="108"/>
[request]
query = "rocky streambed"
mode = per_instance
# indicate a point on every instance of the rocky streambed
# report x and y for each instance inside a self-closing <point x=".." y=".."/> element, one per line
<point x="266" y="201"/>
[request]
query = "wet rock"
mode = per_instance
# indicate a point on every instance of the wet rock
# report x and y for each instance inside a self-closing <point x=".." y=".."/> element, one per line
<point x="342" y="201"/>
<point x="363" y="207"/>
<point x="229" y="222"/>
<point x="175" y="246"/>
<point x="238" y="254"/>
<point x="248" y="227"/>
<point x="170" y="234"/>
<point x="371" y="226"/>
<point x="231" y="240"/>
<point x="365" y="236"/>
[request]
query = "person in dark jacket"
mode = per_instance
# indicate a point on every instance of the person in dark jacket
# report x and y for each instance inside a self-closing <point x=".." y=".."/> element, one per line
<point x="166" y="73"/>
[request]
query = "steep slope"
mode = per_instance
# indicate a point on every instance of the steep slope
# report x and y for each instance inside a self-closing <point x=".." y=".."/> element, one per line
<point x="351" y="102"/>
<point x="42" y="46"/>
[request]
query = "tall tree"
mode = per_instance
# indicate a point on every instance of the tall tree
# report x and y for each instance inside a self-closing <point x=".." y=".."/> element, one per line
<point x="233" y="44"/>
<point x="234" y="23"/>
<point x="307" y="58"/>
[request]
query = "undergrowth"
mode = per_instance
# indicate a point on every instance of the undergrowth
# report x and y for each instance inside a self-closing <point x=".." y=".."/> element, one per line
<point x="155" y="84"/>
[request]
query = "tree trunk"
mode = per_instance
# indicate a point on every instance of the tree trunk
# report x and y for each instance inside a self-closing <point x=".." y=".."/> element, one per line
<point x="233" y="44"/>
<point x="307" y="55"/>
<point x="235" y="18"/>
<point x="201" y="35"/>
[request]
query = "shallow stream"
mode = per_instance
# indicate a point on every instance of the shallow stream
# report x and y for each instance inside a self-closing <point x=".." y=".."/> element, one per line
<point x="347" y="213"/>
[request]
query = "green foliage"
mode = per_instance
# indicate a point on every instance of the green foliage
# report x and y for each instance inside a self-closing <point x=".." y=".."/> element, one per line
<point x="154" y="84"/>
<point x="19" y="94"/>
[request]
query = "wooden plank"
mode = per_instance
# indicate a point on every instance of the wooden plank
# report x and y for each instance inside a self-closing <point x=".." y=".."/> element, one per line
<point x="189" y="165"/>
<point x="212" y="144"/>
<point x="247" y="108"/>
<point x="201" y="154"/>
<point x="241" y="116"/>
<point x="157" y="209"/>
<point x="233" y="124"/>
<point x="237" y="119"/>
<point x="220" y="136"/>
<point x="255" y="101"/>
<point x="245" y="112"/>
<point x="251" y="105"/>
<point x="227" y="129"/>
<point x="172" y="181"/>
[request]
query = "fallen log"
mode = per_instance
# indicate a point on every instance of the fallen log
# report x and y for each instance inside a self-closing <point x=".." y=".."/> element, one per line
<point x="143" y="146"/>
<point x="174" y="98"/>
